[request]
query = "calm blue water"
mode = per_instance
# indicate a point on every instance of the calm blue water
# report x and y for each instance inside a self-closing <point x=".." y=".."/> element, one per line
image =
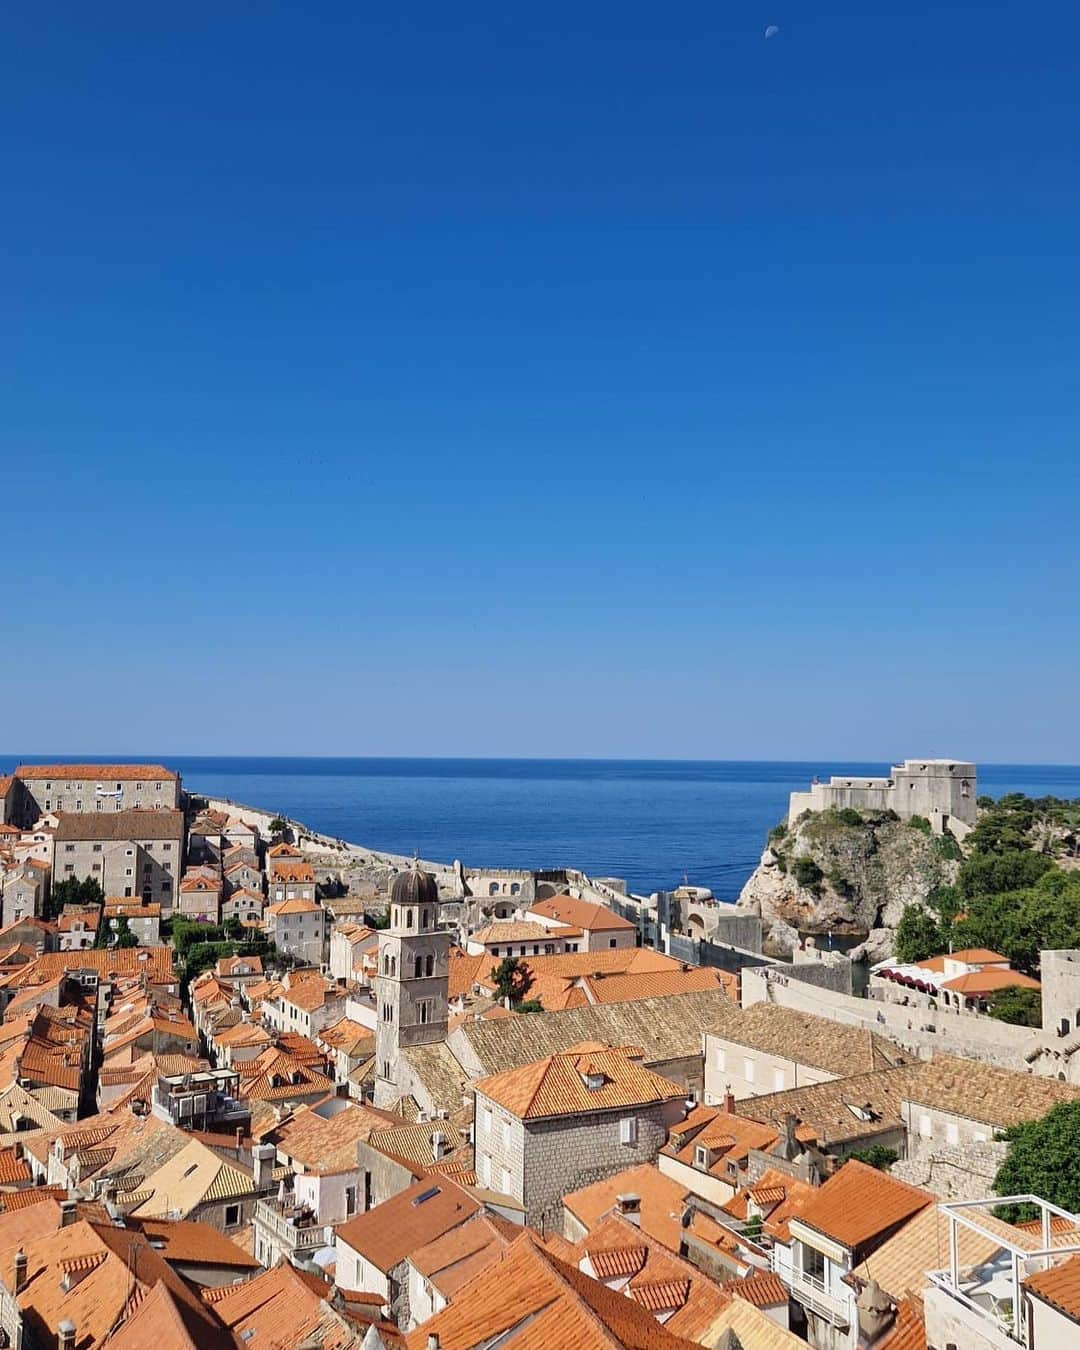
<point x="650" y="821"/>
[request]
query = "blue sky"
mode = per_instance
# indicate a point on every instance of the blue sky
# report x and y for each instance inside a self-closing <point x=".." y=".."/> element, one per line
<point x="564" y="379"/>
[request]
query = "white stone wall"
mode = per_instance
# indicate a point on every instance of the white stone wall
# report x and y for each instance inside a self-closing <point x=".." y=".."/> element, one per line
<point x="748" y="1072"/>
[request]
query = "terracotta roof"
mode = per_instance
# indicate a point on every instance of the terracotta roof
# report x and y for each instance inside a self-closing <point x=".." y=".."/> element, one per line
<point x="909" y="1330"/>
<point x="140" y="823"/>
<point x="193" y="1244"/>
<point x="465" y="970"/>
<point x="456" y="1257"/>
<point x="728" y="1136"/>
<point x="519" y="930"/>
<point x="13" y="1167"/>
<point x="327" y="1145"/>
<point x="281" y="1309"/>
<point x="293" y="907"/>
<point x="276" y="1075"/>
<point x="584" y="914"/>
<point x="661" y="1202"/>
<point x="284" y="851"/>
<point x="155" y="962"/>
<point x="386" y="1235"/>
<point x="859" y="1203"/>
<point x="764" y="1289"/>
<point x="974" y="956"/>
<point x="553" y="1304"/>
<point x="568" y="1084"/>
<point x="132" y="909"/>
<point x="97" y="772"/>
<point x="289" y="872"/>
<point x="1059" y="1286"/>
<point x="900" y="1264"/>
<point x="658" y="984"/>
<point x="573" y="965"/>
<point x="228" y="966"/>
<point x="818" y="1042"/>
<point x="312" y="993"/>
<point x="352" y="1037"/>
<point x="977" y="1091"/>
<point x="986" y="981"/>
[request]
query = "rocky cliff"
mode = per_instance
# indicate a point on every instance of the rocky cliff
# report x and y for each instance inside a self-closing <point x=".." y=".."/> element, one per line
<point x="845" y="872"/>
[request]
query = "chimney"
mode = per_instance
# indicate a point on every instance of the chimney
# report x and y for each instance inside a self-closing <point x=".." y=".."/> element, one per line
<point x="729" y="1101"/>
<point x="433" y="1340"/>
<point x="20" y="1269"/>
<point x="67" y="1213"/>
<point x="263" y="1157"/>
<point x="239" y="1137"/>
<point x="65" y="1333"/>
<point x="438" y="1146"/>
<point x="629" y="1206"/>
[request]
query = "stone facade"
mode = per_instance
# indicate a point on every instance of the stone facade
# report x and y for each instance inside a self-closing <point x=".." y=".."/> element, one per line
<point x="129" y="854"/>
<point x="413" y="983"/>
<point x="92" y="788"/>
<point x="941" y="790"/>
<point x="537" y="1162"/>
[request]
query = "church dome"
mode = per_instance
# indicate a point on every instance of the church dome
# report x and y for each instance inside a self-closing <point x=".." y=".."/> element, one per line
<point x="414" y="887"/>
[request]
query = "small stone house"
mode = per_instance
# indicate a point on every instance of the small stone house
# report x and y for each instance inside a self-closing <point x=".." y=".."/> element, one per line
<point x="552" y="1126"/>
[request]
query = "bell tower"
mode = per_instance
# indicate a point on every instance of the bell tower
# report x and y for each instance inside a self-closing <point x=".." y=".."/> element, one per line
<point x="413" y="979"/>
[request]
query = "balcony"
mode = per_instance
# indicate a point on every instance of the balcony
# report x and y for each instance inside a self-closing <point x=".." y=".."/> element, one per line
<point x="814" y="1294"/>
<point x="294" y="1227"/>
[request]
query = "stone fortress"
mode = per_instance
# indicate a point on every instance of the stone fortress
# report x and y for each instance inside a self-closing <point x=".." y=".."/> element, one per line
<point x="941" y="790"/>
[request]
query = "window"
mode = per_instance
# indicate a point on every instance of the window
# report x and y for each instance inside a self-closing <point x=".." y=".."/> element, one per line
<point x="507" y="1182"/>
<point x="350" y="1201"/>
<point x="429" y="965"/>
<point x="701" y="1157"/>
<point x="95" y="867"/>
<point x="926" y="1127"/>
<point x="748" y="1070"/>
<point x="423" y="1009"/>
<point x="69" y="848"/>
<point x="952" y="1133"/>
<point x="69" y="867"/>
<point x="166" y="848"/>
<point x="778" y="1080"/>
<point x="78" y="806"/>
<point x="232" y="1216"/>
<point x="813" y="1263"/>
<point x="612" y="942"/>
<point x="96" y="848"/>
<point x="487" y="1118"/>
<point x="506" y="1133"/>
<point x="721" y="1058"/>
<point x="628" y="1130"/>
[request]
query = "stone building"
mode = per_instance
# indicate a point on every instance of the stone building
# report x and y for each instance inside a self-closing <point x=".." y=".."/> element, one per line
<point x="128" y="853"/>
<point x="412" y="984"/>
<point x="550" y="1127"/>
<point x="91" y="788"/>
<point x="298" y="928"/>
<point x="941" y="790"/>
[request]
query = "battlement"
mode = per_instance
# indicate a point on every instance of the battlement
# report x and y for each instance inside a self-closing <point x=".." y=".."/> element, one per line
<point x="941" y="790"/>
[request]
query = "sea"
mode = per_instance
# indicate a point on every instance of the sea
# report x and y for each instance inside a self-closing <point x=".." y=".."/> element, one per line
<point x="655" y="823"/>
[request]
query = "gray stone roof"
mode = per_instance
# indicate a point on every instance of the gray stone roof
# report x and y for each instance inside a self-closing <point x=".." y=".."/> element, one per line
<point x="148" y="823"/>
<point x="665" y="1029"/>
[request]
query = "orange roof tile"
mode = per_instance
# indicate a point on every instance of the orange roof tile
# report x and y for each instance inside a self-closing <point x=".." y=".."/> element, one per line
<point x="977" y="982"/>
<point x="96" y="772"/>
<point x="408" y="1221"/>
<point x="584" y="914"/>
<point x="661" y="1202"/>
<point x="1059" y="1286"/>
<point x="763" y="1289"/>
<point x="557" y="1085"/>
<point x="859" y="1203"/>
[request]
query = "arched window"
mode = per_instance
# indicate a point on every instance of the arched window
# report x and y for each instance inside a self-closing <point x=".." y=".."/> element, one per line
<point x="515" y="889"/>
<point x="429" y="965"/>
<point x="493" y="888"/>
<point x="418" y="967"/>
<point x="393" y="964"/>
<point x="408" y="918"/>
<point x="423" y="918"/>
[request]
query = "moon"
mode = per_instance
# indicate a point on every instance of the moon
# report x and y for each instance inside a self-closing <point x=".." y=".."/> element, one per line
<point x="771" y="31"/>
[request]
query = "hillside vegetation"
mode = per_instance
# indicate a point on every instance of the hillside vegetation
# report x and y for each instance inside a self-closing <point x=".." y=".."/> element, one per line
<point x="1017" y="889"/>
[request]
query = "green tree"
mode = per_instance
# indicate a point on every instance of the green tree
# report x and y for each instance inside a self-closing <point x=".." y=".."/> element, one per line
<point x="806" y="871"/>
<point x="995" y="873"/>
<point x="1043" y="1160"/>
<point x="72" y="891"/>
<point x="124" y="936"/>
<point x="512" y="979"/>
<point x="918" y="935"/>
<point x="1021" y="1007"/>
<point x="279" y="825"/>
